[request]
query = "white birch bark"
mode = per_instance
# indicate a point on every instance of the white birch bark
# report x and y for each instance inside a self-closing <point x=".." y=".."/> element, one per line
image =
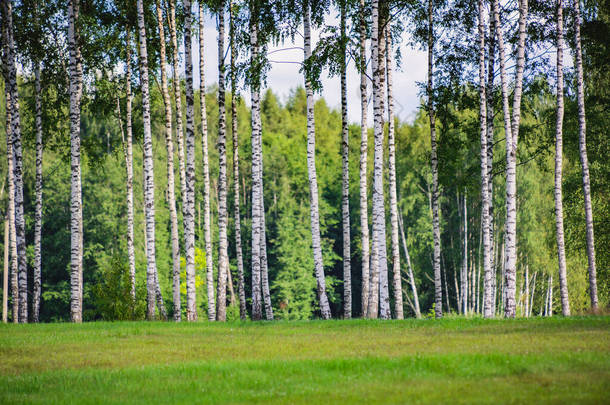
<point x="347" y="256"/>
<point x="5" y="286"/>
<point x="561" y="251"/>
<point x="171" y="188"/>
<point x="129" y="168"/>
<point x="364" y="216"/>
<point x="465" y="277"/>
<point x="397" y="279"/>
<point x="149" y="183"/>
<point x="409" y="269"/>
<point x="313" y="181"/>
<point x="436" y="229"/>
<point x="527" y="290"/>
<point x="76" y="205"/>
<point x="38" y="208"/>
<point x="264" y="267"/>
<point x="223" y="258"/>
<point x="189" y="203"/>
<point x="584" y="161"/>
<point x="490" y="153"/>
<point x="207" y="221"/>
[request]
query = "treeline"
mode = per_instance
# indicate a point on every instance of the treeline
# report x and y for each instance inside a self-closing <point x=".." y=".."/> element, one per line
<point x="163" y="201"/>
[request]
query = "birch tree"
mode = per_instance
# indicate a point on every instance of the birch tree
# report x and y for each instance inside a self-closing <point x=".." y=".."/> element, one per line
<point x="129" y="167"/>
<point x="409" y="269"/>
<point x="207" y="222"/>
<point x="149" y="183"/>
<point x="189" y="203"/>
<point x="397" y="277"/>
<point x="561" y="252"/>
<point x="223" y="259"/>
<point x="364" y="216"/>
<point x="313" y="181"/>
<point x="584" y="160"/>
<point x="436" y="229"/>
<point x="38" y="207"/>
<point x="169" y="144"/>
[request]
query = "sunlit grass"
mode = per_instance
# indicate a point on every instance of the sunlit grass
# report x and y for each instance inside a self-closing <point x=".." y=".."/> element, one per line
<point x="427" y="361"/>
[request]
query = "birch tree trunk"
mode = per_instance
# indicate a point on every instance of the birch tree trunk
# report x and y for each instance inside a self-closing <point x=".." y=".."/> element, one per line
<point x="490" y="155"/>
<point x="527" y="290"/>
<point x="223" y="259"/>
<point x="584" y="160"/>
<point x="410" y="269"/>
<point x="149" y="182"/>
<point x="38" y="209"/>
<point x="207" y="221"/>
<point x="129" y="167"/>
<point x="347" y="256"/>
<point x="313" y="180"/>
<point x="178" y="99"/>
<point x="76" y="205"/>
<point x="237" y="216"/>
<point x="485" y="200"/>
<point x="257" y="311"/>
<point x="364" y="210"/>
<point x="436" y="228"/>
<point x="171" y="188"/>
<point x="5" y="272"/>
<point x="189" y="203"/>
<point x="264" y="267"/>
<point x="561" y="252"/>
<point x="397" y="279"/>
<point x="465" y="260"/>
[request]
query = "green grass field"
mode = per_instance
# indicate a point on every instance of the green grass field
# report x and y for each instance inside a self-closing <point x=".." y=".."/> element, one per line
<point x="537" y="360"/>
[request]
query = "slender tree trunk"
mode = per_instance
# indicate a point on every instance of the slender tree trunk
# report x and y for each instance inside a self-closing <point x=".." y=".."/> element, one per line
<point x="584" y="160"/>
<point x="264" y="267"/>
<point x="207" y="222"/>
<point x="171" y="188"/>
<point x="5" y="273"/>
<point x="313" y="180"/>
<point x="38" y="209"/>
<point x="533" y="292"/>
<point x="364" y="210"/>
<point x="11" y="208"/>
<point x="76" y="204"/>
<point x="527" y="290"/>
<point x="465" y="260"/>
<point x="257" y="310"/>
<point x="189" y="203"/>
<point x="223" y="258"/>
<point x="561" y="251"/>
<point x="347" y="256"/>
<point x="436" y="228"/>
<point x="178" y="99"/>
<point x="485" y="200"/>
<point x="397" y="279"/>
<point x="237" y="216"/>
<point x="129" y="168"/>
<point x="149" y="180"/>
<point x="490" y="154"/>
<point x="409" y="269"/>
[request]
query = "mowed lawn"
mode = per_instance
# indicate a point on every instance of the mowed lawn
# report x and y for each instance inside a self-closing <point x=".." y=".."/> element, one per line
<point x="535" y="360"/>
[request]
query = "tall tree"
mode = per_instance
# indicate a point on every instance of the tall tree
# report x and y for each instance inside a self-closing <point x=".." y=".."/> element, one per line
<point x="171" y="188"/>
<point x="347" y="256"/>
<point x="223" y="258"/>
<point x="207" y="222"/>
<point x="76" y="203"/>
<point x="189" y="202"/>
<point x="38" y="208"/>
<point x="313" y="180"/>
<point x="364" y="210"/>
<point x="129" y="166"/>
<point x="149" y="179"/>
<point x="584" y="160"/>
<point x="436" y="228"/>
<point x="396" y="273"/>
<point x="236" y="202"/>
<point x="561" y="251"/>
<point x="485" y="199"/>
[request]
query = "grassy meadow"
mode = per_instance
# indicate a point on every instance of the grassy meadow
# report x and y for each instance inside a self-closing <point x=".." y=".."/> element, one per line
<point x="550" y="360"/>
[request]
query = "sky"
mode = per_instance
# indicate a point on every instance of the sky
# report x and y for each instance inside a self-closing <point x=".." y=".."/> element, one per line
<point x="284" y="77"/>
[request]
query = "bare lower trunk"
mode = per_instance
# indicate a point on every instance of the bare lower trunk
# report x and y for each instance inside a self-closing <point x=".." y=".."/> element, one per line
<point x="237" y="215"/>
<point x="347" y="256"/>
<point x="5" y="272"/>
<point x="38" y="209"/>
<point x="527" y="290"/>
<point x="264" y="266"/>
<point x="313" y="180"/>
<point x="465" y="277"/>
<point x="129" y="167"/>
<point x="409" y="269"/>
<point x="364" y="216"/>
<point x="76" y="205"/>
<point x="436" y="229"/>
<point x="189" y="202"/>
<point x="561" y="251"/>
<point x="171" y="189"/>
<point x="223" y="258"/>
<point x="584" y="161"/>
<point x="397" y="279"/>
<point x="207" y="222"/>
<point x="149" y="180"/>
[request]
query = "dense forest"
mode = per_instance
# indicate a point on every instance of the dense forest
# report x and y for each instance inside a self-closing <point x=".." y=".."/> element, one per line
<point x="131" y="194"/>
